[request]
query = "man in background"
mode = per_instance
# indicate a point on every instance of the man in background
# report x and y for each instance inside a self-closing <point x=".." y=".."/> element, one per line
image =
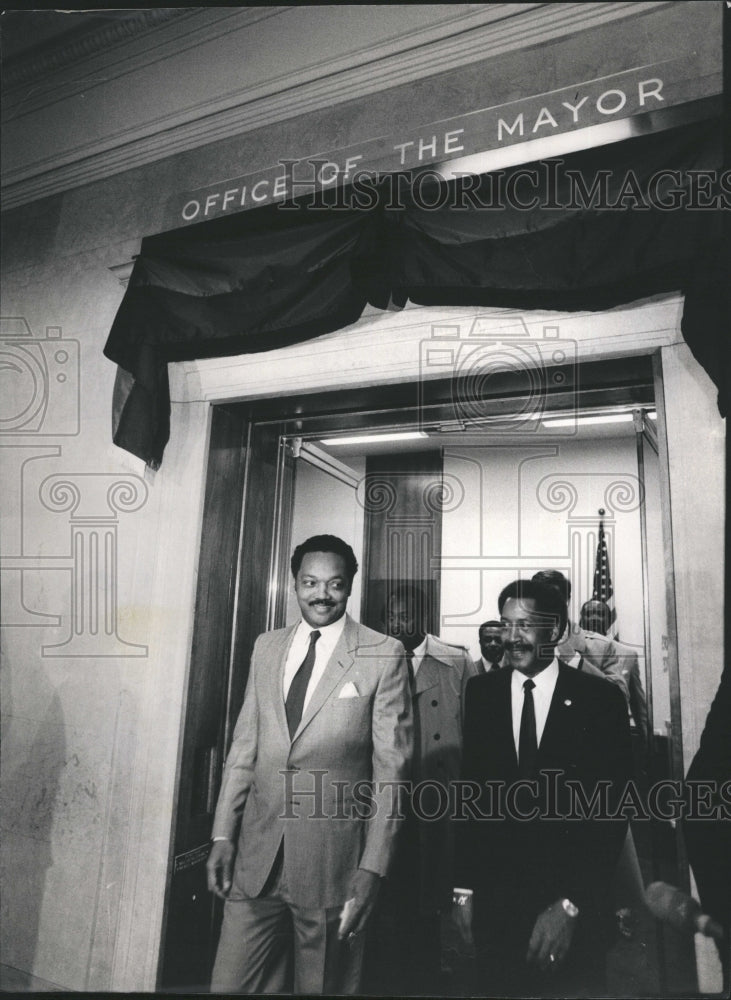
<point x="491" y="646"/>
<point x="420" y="888"/>
<point x="577" y="647"/>
<point x="596" y="616"/>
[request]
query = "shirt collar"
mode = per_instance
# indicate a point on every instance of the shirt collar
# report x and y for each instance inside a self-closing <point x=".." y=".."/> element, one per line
<point x="545" y="681"/>
<point x="420" y="650"/>
<point x="331" y="633"/>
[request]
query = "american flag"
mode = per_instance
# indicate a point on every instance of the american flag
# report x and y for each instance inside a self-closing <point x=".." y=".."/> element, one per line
<point x="603" y="590"/>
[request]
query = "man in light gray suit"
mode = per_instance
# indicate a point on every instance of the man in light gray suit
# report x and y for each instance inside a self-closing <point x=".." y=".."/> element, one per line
<point x="307" y="814"/>
<point x="597" y="617"/>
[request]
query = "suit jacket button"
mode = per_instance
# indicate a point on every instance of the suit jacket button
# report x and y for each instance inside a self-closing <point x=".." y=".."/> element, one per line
<point x="434" y="703"/>
<point x="437" y="736"/>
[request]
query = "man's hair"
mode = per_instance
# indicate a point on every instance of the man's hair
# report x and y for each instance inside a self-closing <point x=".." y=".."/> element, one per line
<point x="600" y="607"/>
<point x="325" y="543"/>
<point x="548" y="599"/>
<point x="552" y="578"/>
<point x="491" y="624"/>
<point x="410" y="593"/>
<point x="413" y="598"/>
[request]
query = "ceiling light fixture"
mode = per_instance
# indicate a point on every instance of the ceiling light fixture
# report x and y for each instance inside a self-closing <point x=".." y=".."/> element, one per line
<point x="585" y="420"/>
<point x="374" y="438"/>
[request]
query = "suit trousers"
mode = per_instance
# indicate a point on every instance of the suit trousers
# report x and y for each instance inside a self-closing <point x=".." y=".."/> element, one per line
<point x="404" y="947"/>
<point x="268" y="944"/>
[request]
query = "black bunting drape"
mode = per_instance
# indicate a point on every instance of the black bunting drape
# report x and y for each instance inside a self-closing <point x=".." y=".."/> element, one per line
<point x="590" y="231"/>
<point x="236" y="285"/>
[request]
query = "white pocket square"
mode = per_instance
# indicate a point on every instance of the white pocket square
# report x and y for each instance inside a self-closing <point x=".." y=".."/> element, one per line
<point x="349" y="690"/>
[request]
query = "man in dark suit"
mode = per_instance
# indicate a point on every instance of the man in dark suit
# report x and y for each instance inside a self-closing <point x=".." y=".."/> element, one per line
<point x="535" y="863"/>
<point x="298" y="855"/>
<point x="709" y="840"/>
<point x="492" y="649"/>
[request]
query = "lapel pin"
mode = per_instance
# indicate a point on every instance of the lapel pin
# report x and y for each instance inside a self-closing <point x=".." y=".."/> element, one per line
<point x="567" y="702"/>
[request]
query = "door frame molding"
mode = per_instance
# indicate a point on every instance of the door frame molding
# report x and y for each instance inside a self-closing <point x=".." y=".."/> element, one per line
<point x="622" y="336"/>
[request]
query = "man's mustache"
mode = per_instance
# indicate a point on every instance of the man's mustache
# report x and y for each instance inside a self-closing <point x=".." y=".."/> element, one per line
<point x="322" y="604"/>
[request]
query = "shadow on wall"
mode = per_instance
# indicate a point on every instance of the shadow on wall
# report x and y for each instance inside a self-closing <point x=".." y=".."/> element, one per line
<point x="34" y="754"/>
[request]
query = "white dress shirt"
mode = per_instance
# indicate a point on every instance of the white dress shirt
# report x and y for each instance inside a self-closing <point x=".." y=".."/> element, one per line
<point x="545" y="683"/>
<point x="419" y="654"/>
<point x="329" y="635"/>
<point x="487" y="666"/>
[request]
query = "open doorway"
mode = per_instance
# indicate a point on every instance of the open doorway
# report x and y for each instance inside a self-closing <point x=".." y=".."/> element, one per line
<point x="462" y="499"/>
<point x="496" y="507"/>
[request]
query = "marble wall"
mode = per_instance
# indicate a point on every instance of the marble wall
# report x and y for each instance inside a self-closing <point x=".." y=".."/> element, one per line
<point x="86" y="683"/>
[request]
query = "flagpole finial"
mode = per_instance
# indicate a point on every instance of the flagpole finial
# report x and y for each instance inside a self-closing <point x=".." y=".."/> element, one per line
<point x="602" y="512"/>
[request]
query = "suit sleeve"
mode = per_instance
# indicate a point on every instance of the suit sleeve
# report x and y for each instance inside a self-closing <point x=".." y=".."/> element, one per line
<point x="594" y="844"/>
<point x="392" y="738"/>
<point x="239" y="770"/>
<point x="612" y="670"/>
<point x="469" y="670"/>
<point x="466" y="826"/>
<point x="638" y="700"/>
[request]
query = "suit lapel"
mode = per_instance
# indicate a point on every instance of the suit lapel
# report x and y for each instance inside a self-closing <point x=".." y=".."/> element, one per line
<point x="427" y="676"/>
<point x="503" y="720"/>
<point x="276" y="675"/>
<point x="338" y="665"/>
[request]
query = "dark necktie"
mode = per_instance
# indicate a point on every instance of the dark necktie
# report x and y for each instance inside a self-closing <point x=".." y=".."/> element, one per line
<point x="527" y="741"/>
<point x="298" y="688"/>
<point x="410" y="667"/>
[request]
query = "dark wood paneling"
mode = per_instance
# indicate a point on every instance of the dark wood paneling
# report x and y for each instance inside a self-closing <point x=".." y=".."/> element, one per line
<point x="246" y="499"/>
<point x="257" y="553"/>
<point x="403" y="530"/>
<point x="186" y="952"/>
<point x="283" y="535"/>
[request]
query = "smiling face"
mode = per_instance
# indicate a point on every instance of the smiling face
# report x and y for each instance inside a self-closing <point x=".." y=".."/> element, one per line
<point x="529" y="636"/>
<point x="322" y="588"/>
<point x="491" y="643"/>
<point x="596" y="617"/>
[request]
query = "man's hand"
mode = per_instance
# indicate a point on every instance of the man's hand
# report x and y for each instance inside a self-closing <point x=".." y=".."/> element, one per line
<point x="219" y="867"/>
<point x="457" y="942"/>
<point x="551" y="937"/>
<point x="363" y="891"/>
<point x="461" y="924"/>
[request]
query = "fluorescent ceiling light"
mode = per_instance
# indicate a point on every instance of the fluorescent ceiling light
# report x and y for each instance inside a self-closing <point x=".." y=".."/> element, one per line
<point x="375" y="438"/>
<point x="606" y="418"/>
<point x="595" y="417"/>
